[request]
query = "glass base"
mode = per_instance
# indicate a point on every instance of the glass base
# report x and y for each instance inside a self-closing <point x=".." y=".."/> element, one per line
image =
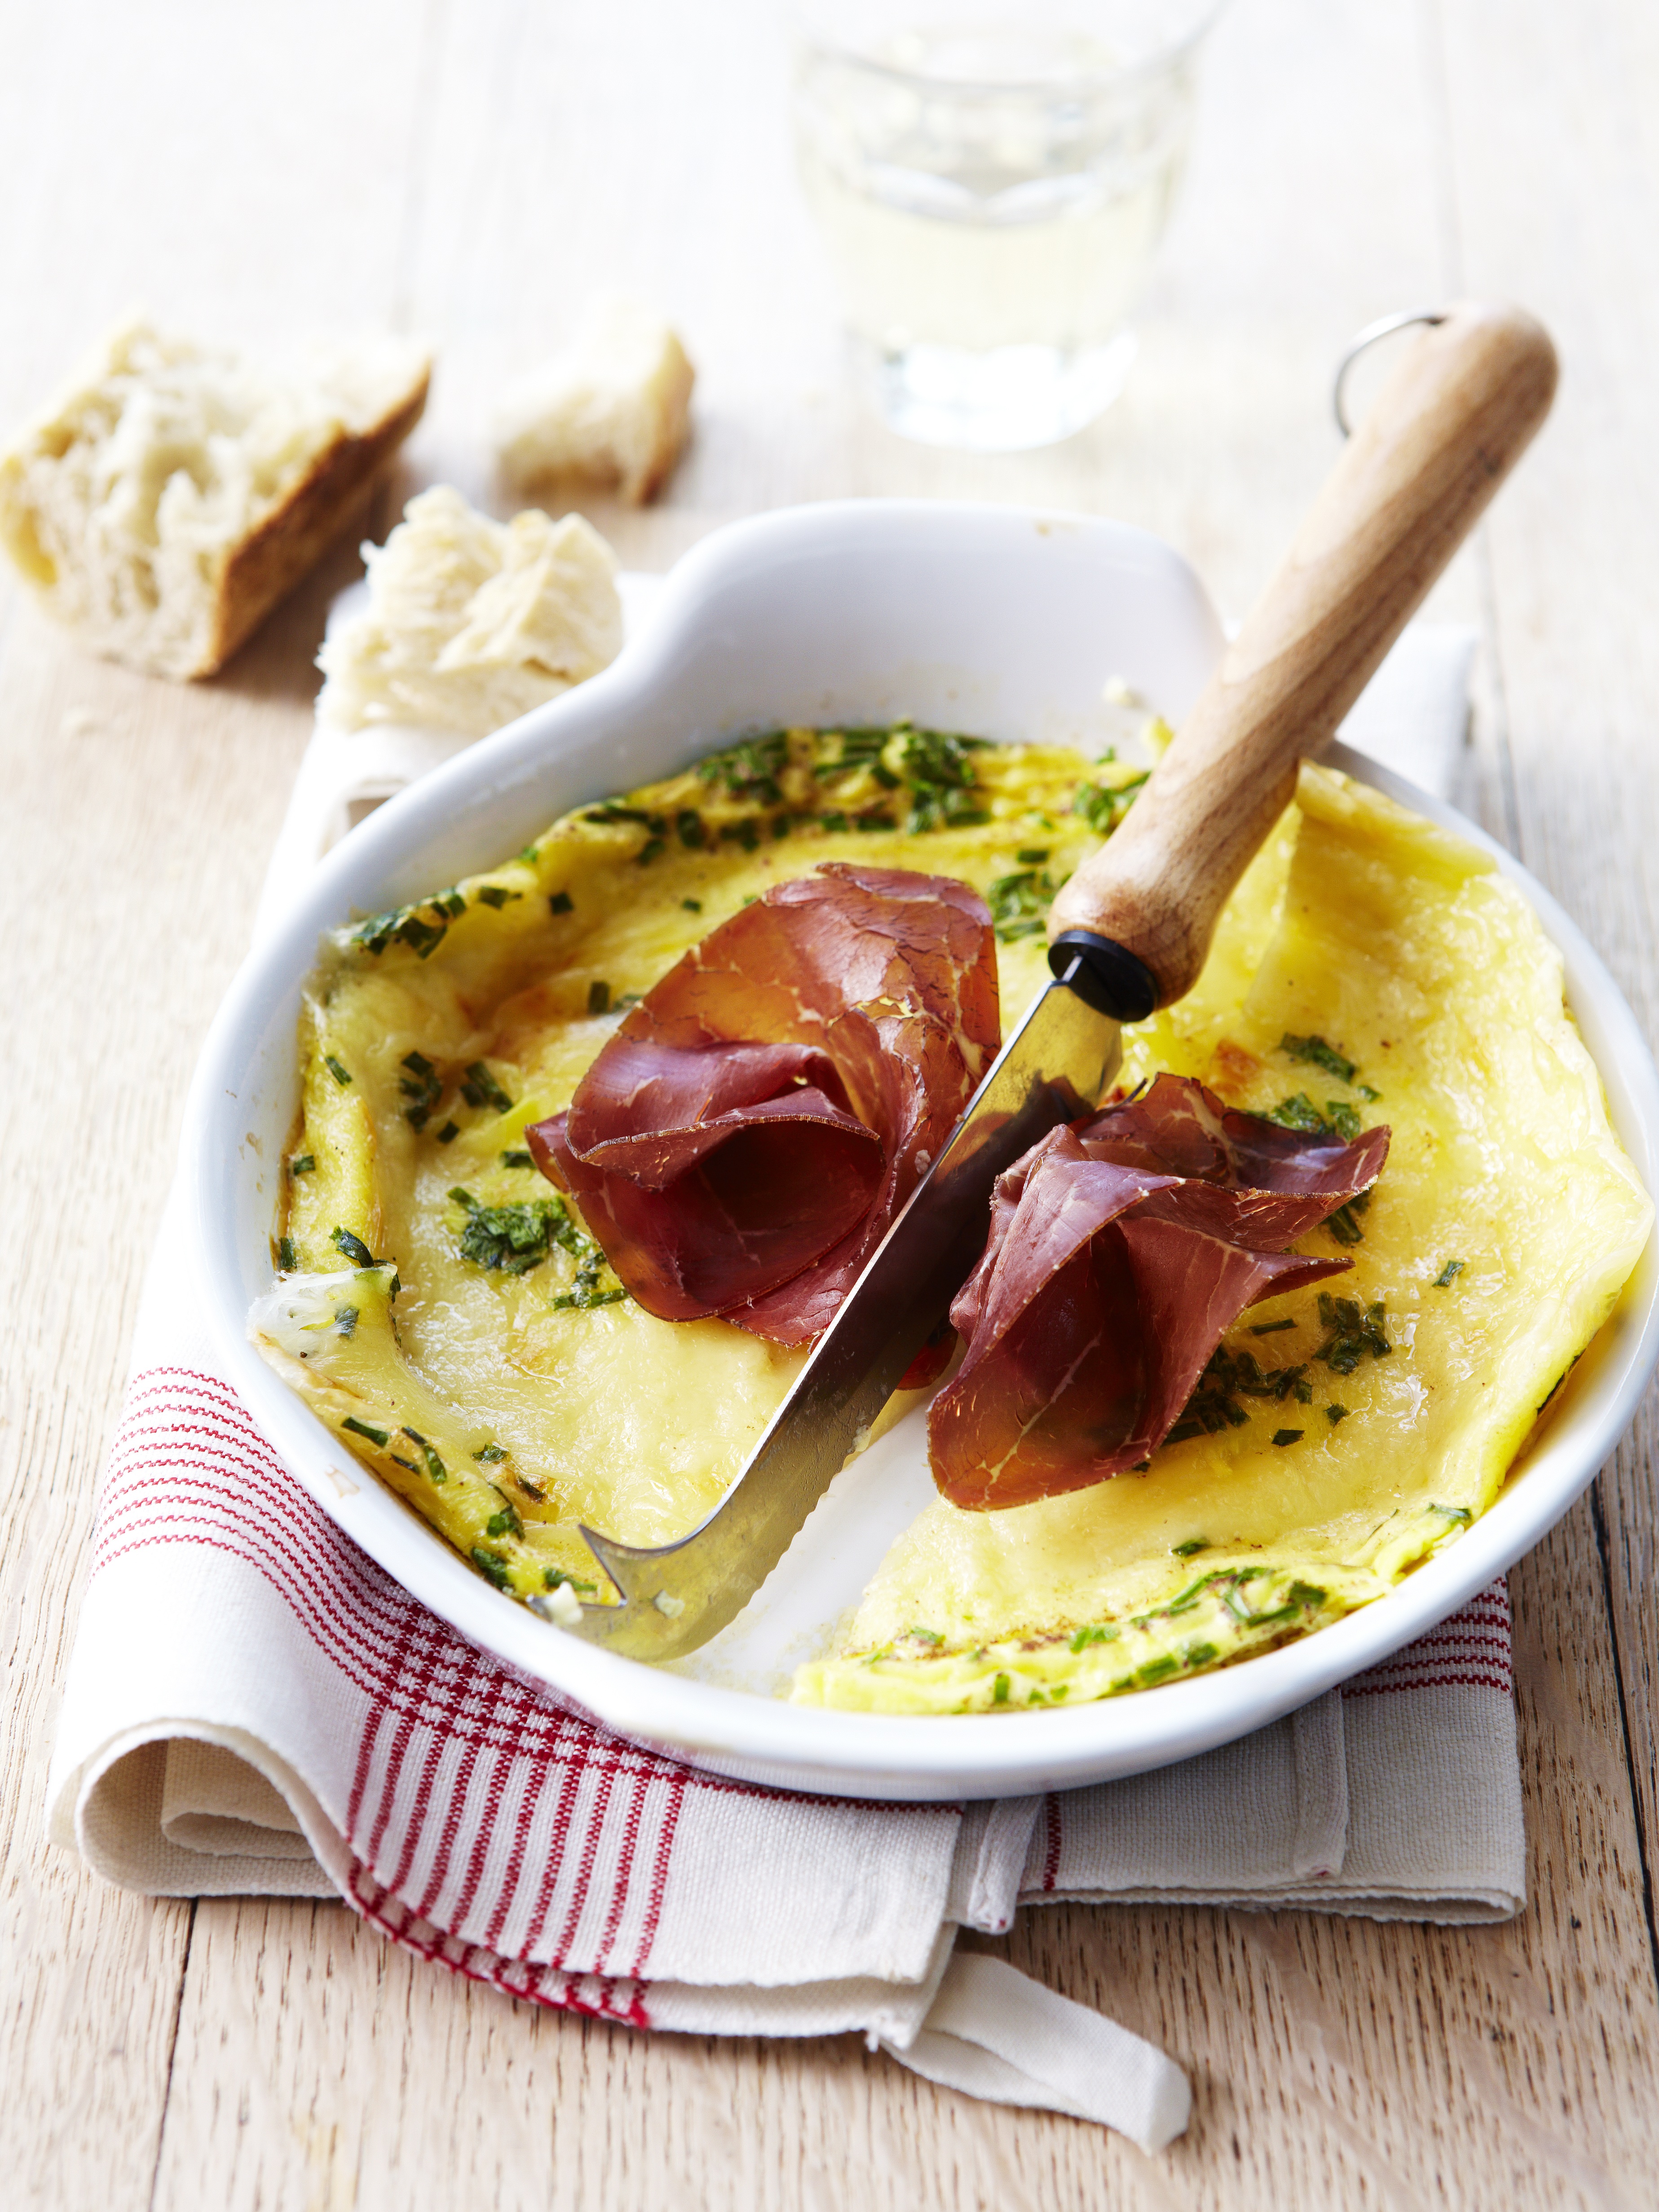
<point x="1004" y="401"/>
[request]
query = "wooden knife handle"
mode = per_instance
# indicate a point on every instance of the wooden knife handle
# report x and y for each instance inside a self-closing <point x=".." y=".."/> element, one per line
<point x="1446" y="428"/>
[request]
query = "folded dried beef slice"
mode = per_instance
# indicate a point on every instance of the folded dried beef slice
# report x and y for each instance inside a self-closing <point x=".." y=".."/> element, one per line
<point x="743" y="1143"/>
<point x="1121" y="1251"/>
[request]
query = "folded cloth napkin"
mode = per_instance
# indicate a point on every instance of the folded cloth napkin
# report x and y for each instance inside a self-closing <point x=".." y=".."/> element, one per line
<point x="252" y="1706"/>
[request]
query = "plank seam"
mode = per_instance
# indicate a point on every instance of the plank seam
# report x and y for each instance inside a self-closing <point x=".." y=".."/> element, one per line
<point x="172" y="2046"/>
<point x="1598" y="1515"/>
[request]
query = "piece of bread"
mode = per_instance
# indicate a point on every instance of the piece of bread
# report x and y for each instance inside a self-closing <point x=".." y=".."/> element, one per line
<point x="471" y="622"/>
<point x="172" y="493"/>
<point x="612" y="407"/>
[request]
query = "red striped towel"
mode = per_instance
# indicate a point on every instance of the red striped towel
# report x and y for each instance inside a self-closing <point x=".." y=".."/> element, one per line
<point x="253" y="1706"/>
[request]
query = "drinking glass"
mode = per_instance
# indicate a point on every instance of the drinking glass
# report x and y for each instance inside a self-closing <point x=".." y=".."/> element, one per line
<point x="990" y="191"/>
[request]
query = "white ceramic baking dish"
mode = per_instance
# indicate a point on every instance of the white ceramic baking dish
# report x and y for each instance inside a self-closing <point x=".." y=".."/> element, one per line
<point x="993" y="620"/>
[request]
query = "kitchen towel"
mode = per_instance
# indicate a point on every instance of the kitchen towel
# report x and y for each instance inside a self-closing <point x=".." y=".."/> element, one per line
<point x="252" y="1706"/>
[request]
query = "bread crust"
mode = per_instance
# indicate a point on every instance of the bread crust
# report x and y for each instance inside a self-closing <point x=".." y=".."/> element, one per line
<point x="671" y="433"/>
<point x="325" y="503"/>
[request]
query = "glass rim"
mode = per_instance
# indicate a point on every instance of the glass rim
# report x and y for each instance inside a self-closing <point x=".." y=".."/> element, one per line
<point x="812" y="36"/>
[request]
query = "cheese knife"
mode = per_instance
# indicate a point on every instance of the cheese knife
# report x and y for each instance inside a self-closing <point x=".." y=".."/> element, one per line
<point x="1129" y="933"/>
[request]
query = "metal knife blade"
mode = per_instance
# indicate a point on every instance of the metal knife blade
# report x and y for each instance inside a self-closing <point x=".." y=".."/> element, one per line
<point x="1058" y="1063"/>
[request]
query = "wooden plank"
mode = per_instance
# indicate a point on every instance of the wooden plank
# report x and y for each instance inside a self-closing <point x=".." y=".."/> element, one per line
<point x="1576" y="566"/>
<point x="1304" y="2064"/>
<point x="1456" y="2066"/>
<point x="132" y="837"/>
<point x="305" y="2041"/>
<point x="126" y="914"/>
<point x="477" y="177"/>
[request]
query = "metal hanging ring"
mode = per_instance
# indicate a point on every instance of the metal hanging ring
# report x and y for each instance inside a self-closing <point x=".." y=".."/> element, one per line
<point x="1385" y="327"/>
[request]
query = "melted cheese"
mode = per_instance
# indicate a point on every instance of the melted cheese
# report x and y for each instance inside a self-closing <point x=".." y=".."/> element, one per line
<point x="1404" y="948"/>
<point x="598" y="1414"/>
<point x="1358" y="924"/>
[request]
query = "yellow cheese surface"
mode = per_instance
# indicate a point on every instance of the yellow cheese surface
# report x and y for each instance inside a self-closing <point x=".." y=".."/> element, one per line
<point x="508" y="1407"/>
<point x="1404" y="949"/>
<point x="600" y="1413"/>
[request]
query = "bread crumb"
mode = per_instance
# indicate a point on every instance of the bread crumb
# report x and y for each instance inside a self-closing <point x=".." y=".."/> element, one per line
<point x="471" y="622"/>
<point x="612" y="407"/>
<point x="173" y="493"/>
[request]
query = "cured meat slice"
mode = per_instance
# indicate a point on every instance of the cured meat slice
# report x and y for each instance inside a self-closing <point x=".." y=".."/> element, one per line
<point x="743" y="1143"/>
<point x="1121" y="1249"/>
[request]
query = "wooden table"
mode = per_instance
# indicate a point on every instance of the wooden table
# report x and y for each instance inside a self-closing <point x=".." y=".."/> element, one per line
<point x="475" y="172"/>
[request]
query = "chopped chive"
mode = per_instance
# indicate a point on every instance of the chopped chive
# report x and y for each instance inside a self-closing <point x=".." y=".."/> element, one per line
<point x="491" y="1565"/>
<point x="423" y="937"/>
<point x="1315" y="1050"/>
<point x="491" y="1455"/>
<point x="287" y="1258"/>
<point x="692" y="906"/>
<point x="448" y="1134"/>
<point x="1102" y="807"/>
<point x="1351" y="1333"/>
<point x="598" y="996"/>
<point x="1019" y="904"/>
<point x="554" y="1577"/>
<point x="559" y="902"/>
<point x="1084" y="1637"/>
<point x="480" y="1088"/>
<point x="345" y="1320"/>
<point x="1298" y="1113"/>
<point x="1032" y="856"/>
<point x="1442" y="1280"/>
<point x="434" y="1467"/>
<point x="380" y="1437"/>
<point x="305" y="1164"/>
<point x="497" y="895"/>
<point x="342" y="1075"/>
<point x="517" y="1159"/>
<point x="354" y="1248"/>
<point x="528" y="855"/>
<point x="690" y="825"/>
<point x="1270" y="1328"/>
<point x="1282" y="1437"/>
<point x="999" y="1689"/>
<point x="611" y="812"/>
<point x="423" y="1087"/>
<point x="653" y="850"/>
<point x="1335" y="1413"/>
<point x="1343" y="1225"/>
<point x="1192" y="1544"/>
